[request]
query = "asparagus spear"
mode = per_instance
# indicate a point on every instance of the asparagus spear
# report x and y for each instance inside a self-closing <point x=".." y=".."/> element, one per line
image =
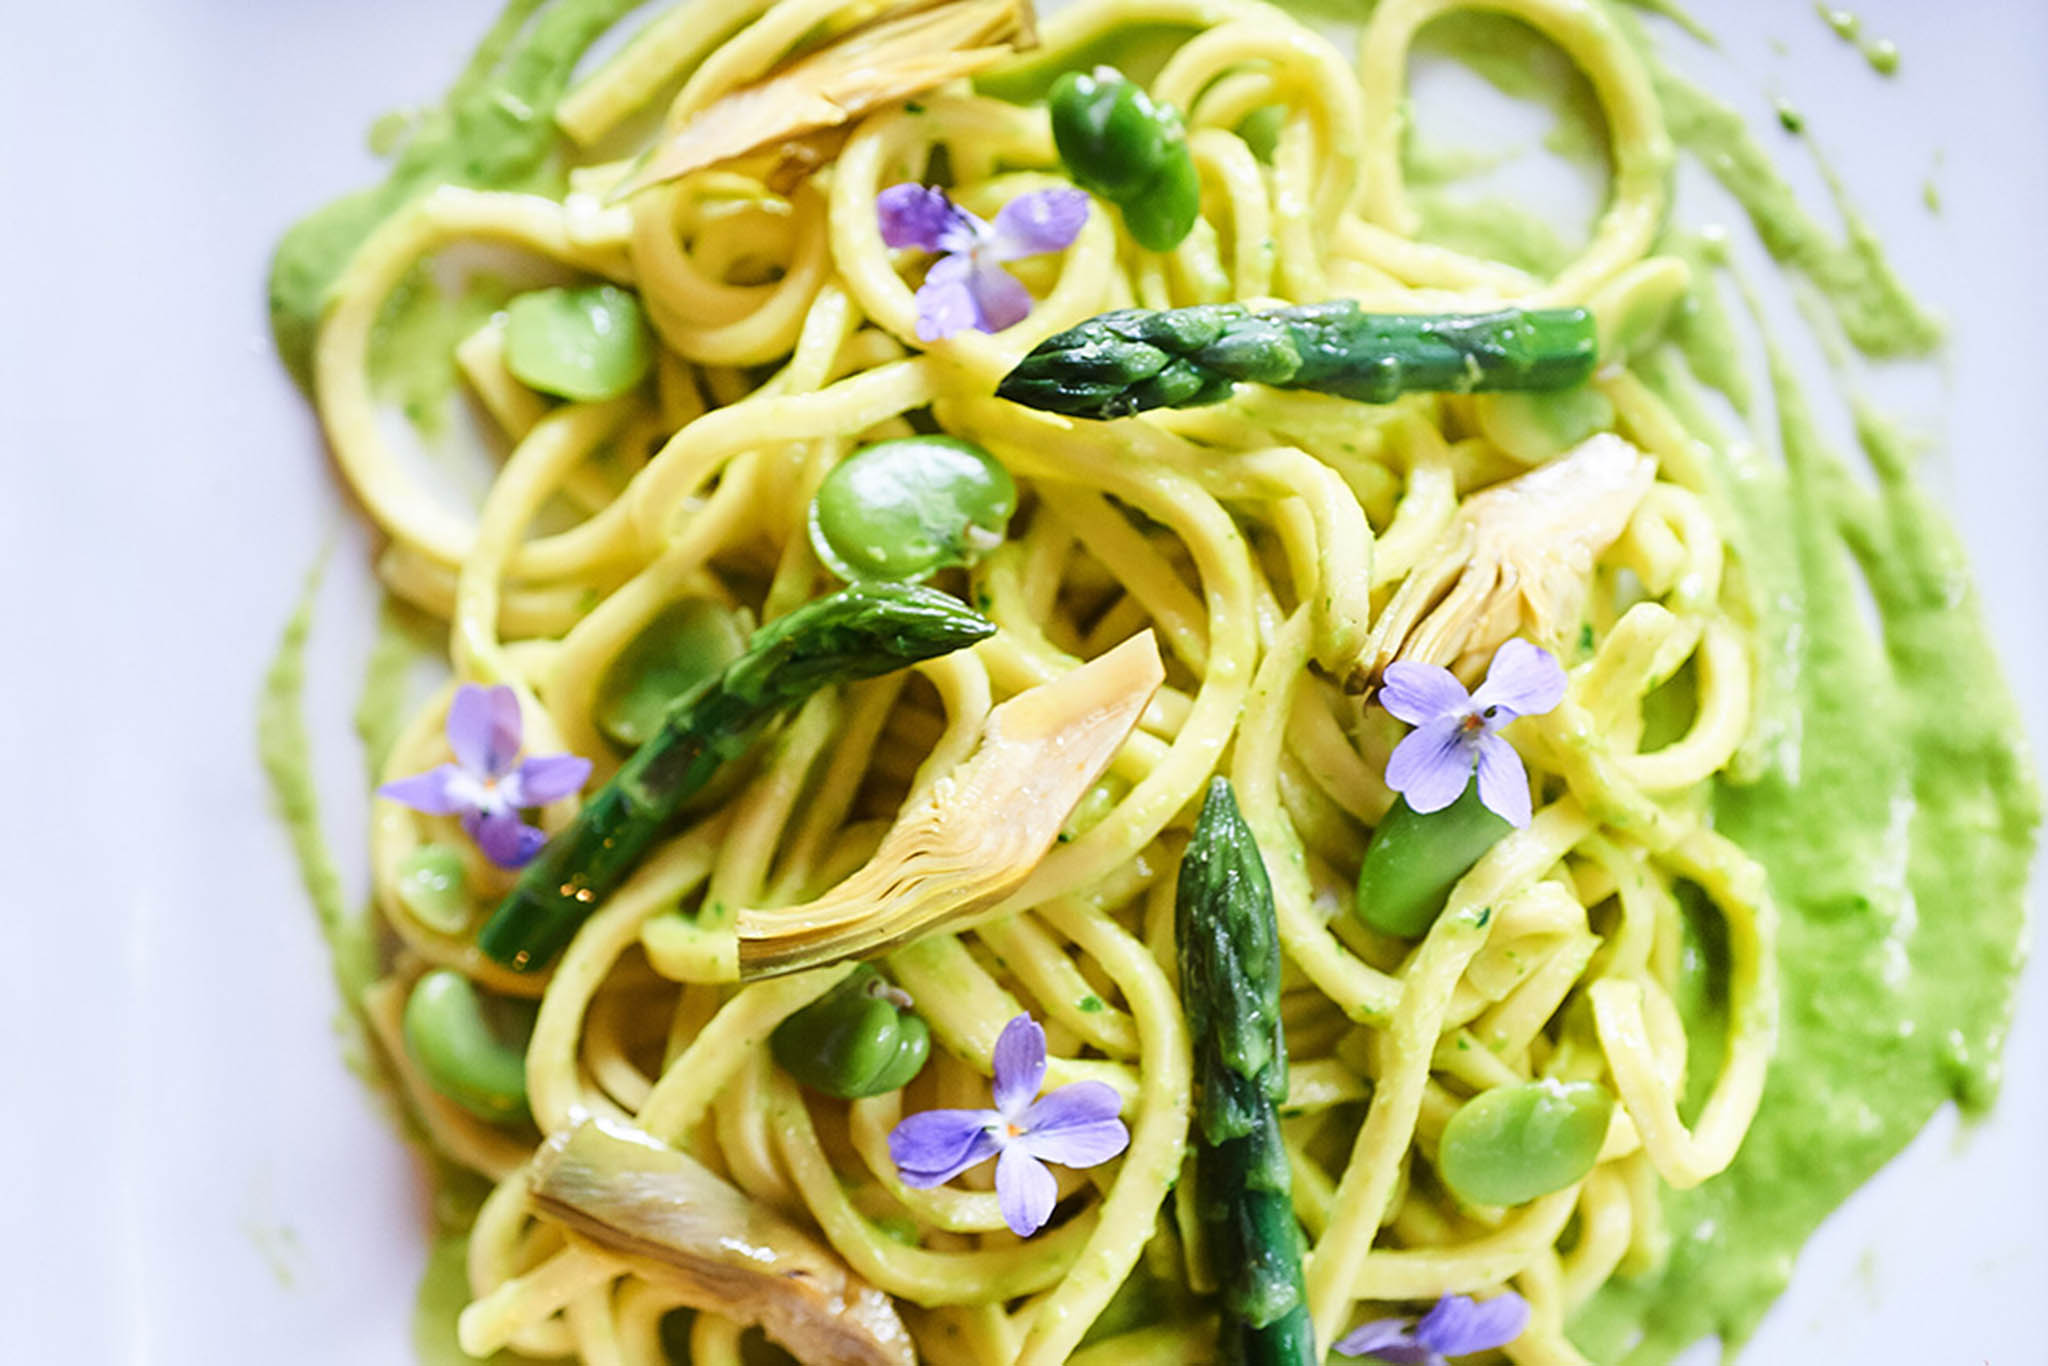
<point x="1125" y="362"/>
<point x="1230" y="986"/>
<point x="856" y="633"/>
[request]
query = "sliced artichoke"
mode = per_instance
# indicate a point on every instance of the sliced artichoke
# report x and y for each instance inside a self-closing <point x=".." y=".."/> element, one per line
<point x="680" y="1225"/>
<point x="975" y="837"/>
<point x="1517" y="561"/>
<point x="795" y="113"/>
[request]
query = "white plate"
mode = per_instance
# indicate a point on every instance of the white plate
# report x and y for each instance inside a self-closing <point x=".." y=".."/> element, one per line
<point x="190" y="1176"/>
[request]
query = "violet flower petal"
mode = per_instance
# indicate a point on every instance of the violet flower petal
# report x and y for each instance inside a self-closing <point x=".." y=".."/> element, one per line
<point x="946" y="304"/>
<point x="1026" y="1190"/>
<point x="1431" y="766"/>
<point x="1075" y="1126"/>
<point x="1078" y="1145"/>
<point x="547" y="778"/>
<point x="505" y="839"/>
<point x="932" y="1147"/>
<point x="1387" y="1340"/>
<point x="430" y="792"/>
<point x="1522" y="680"/>
<point x="1370" y="1339"/>
<point x="913" y="215"/>
<point x="1460" y="1325"/>
<point x="1040" y="222"/>
<point x="1401" y="1354"/>
<point x="1019" y="1066"/>
<point x="1418" y="693"/>
<point x="999" y="297"/>
<point x="484" y="729"/>
<point x="1503" y="782"/>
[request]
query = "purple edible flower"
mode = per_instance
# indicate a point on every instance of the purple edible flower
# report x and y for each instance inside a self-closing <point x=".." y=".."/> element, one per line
<point x="968" y="287"/>
<point x="1075" y="1126"/>
<point x="1456" y="732"/>
<point x="484" y="785"/>
<point x="1458" y="1325"/>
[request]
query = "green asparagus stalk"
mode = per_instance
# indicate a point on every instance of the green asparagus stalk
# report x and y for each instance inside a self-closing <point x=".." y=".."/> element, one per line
<point x="1230" y="987"/>
<point x="1125" y="362"/>
<point x="858" y="632"/>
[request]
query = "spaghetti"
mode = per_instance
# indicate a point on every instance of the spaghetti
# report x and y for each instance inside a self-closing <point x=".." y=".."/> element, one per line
<point x="1262" y="541"/>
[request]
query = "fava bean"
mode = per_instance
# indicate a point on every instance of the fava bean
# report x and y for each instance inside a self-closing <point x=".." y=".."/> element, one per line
<point x="1166" y="210"/>
<point x="1118" y="143"/>
<point x="583" y="343"/>
<point x="1538" y="427"/>
<point x="860" y="1039"/>
<point x="1414" y="860"/>
<point x="1511" y="1144"/>
<point x="434" y="887"/>
<point x="686" y="643"/>
<point x="902" y="510"/>
<point x="471" y="1049"/>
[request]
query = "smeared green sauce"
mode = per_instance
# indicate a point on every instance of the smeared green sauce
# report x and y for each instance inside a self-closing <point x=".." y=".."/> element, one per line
<point x="1875" y="309"/>
<point x="1429" y="163"/>
<point x="1881" y="53"/>
<point x="286" y="752"/>
<point x="1704" y="330"/>
<point x="412" y="349"/>
<point x="1896" y="815"/>
<point x="1499" y="229"/>
<point x="1683" y="18"/>
<point x="444" y="1288"/>
<point x="405" y="637"/>
<point x="495" y="131"/>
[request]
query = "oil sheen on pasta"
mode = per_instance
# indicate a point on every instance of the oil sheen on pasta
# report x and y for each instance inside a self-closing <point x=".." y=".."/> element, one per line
<point x="1893" y="808"/>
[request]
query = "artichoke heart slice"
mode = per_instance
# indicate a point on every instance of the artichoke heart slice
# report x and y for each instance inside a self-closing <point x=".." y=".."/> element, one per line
<point x="978" y="832"/>
<point x="1517" y="560"/>
<point x="913" y="47"/>
<point x="678" y="1224"/>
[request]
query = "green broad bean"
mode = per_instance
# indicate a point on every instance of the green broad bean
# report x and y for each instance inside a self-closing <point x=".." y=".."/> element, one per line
<point x="1513" y="1144"/>
<point x="1110" y="134"/>
<point x="1260" y="130"/>
<point x="434" y="887"/>
<point x="1117" y="142"/>
<point x="686" y="643"/>
<point x="471" y="1049"/>
<point x="1414" y="860"/>
<point x="1535" y="428"/>
<point x="860" y="1039"/>
<point x="1164" y="212"/>
<point x="584" y="343"/>
<point x="902" y="510"/>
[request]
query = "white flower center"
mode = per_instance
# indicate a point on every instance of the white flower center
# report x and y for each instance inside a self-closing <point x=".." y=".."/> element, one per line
<point x="478" y="794"/>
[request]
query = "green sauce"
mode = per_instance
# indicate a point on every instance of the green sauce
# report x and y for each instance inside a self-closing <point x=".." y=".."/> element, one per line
<point x="1875" y="309"/>
<point x="406" y="637"/>
<point x="443" y="1295"/>
<point x="286" y="753"/>
<point x="1896" y="815"/>
<point x="412" y="348"/>
<point x="495" y="131"/>
<point x="1881" y="53"/>
<point x="1703" y="329"/>
<point x="1497" y="229"/>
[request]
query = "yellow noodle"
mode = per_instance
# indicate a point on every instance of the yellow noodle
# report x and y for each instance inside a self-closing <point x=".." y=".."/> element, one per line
<point x="1258" y="538"/>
